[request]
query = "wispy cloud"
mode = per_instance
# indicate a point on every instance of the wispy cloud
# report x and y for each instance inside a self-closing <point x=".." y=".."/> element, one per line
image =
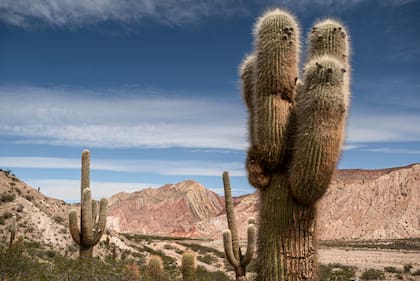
<point x="81" y="12"/>
<point x="372" y="126"/>
<point x="393" y="150"/>
<point x="67" y="189"/>
<point x="76" y="13"/>
<point x="152" y="119"/>
<point x="137" y="118"/>
<point x="162" y="167"/>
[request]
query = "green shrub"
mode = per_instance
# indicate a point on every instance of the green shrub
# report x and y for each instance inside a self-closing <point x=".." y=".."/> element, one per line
<point x="416" y="273"/>
<point x="209" y="259"/>
<point x="372" y="274"/>
<point x="392" y="269"/>
<point x="4" y="197"/>
<point x="407" y="268"/>
<point x="336" y="271"/>
<point x="58" y="219"/>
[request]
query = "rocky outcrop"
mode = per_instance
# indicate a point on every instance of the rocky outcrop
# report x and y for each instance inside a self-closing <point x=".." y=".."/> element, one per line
<point x="172" y="209"/>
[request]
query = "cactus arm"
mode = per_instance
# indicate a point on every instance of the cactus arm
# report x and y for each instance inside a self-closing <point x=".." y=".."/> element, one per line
<point x="252" y="235"/>
<point x="12" y="230"/>
<point x="329" y="37"/>
<point x="85" y="172"/>
<point x="246" y="73"/>
<point x="320" y="116"/>
<point x="227" y="244"/>
<point x="321" y="111"/>
<point x="101" y="225"/>
<point x="74" y="227"/>
<point x="94" y="211"/>
<point x="230" y="215"/>
<point x="86" y="219"/>
<point x="277" y="34"/>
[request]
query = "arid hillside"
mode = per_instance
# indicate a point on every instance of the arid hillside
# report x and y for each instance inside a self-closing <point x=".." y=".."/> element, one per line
<point x="360" y="204"/>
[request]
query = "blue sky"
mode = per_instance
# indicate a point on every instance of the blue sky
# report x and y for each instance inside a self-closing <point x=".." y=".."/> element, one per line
<point x="151" y="88"/>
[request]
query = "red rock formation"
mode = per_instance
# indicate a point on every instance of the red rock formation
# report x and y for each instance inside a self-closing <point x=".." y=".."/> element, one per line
<point x="360" y="204"/>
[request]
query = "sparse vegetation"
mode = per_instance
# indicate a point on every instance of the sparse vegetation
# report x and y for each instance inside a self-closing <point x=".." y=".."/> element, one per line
<point x="372" y="274"/>
<point x="392" y="269"/>
<point x="389" y="244"/>
<point x="209" y="259"/>
<point x="336" y="271"/>
<point x="4" y="197"/>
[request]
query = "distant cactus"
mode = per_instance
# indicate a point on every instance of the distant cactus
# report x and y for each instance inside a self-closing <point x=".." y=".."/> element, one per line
<point x="296" y="132"/>
<point x="131" y="272"/>
<point x="92" y="226"/>
<point x="188" y="267"/>
<point x="155" y="268"/>
<point x="231" y="238"/>
<point x="15" y="242"/>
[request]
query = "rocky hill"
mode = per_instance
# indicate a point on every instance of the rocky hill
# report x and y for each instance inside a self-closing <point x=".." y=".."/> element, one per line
<point x="172" y="209"/>
<point x="42" y="220"/>
<point x="360" y="204"/>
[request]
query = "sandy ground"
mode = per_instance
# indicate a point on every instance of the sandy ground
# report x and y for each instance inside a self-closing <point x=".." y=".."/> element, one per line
<point x="370" y="258"/>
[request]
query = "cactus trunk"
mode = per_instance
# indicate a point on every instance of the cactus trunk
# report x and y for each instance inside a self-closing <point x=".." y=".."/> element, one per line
<point x="85" y="252"/>
<point x="285" y="245"/>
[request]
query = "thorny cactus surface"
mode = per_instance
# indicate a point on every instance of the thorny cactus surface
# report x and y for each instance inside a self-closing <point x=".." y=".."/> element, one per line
<point x="296" y="130"/>
<point x="188" y="267"/>
<point x="155" y="268"/>
<point x="92" y="222"/>
<point x="231" y="238"/>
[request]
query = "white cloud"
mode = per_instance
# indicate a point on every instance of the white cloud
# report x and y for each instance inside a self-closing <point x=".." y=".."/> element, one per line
<point x="151" y="119"/>
<point x="372" y="126"/>
<point x="67" y="189"/>
<point x="137" y="118"/>
<point x="79" y="12"/>
<point x="163" y="167"/>
<point x="393" y="150"/>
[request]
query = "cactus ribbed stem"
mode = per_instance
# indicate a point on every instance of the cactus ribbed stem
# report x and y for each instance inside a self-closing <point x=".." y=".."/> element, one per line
<point x="91" y="228"/>
<point x="155" y="268"/>
<point x="231" y="238"/>
<point x="298" y="138"/>
<point x="188" y="267"/>
<point x="276" y="72"/>
<point x="12" y="230"/>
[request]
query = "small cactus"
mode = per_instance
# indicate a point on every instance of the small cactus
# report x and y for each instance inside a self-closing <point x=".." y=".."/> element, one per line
<point x="231" y="239"/>
<point x="15" y="242"/>
<point x="188" y="267"/>
<point x="155" y="268"/>
<point x="92" y="222"/>
<point x="12" y="230"/>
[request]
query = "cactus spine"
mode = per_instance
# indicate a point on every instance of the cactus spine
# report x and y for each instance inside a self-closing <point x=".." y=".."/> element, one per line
<point x="231" y="239"/>
<point x="92" y="222"/>
<point x="296" y="137"/>
<point x="188" y="267"/>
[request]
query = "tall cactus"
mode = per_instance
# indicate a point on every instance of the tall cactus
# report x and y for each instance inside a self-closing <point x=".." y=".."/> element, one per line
<point x="231" y="238"/>
<point x="92" y="222"/>
<point x="296" y="133"/>
<point x="188" y="267"/>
